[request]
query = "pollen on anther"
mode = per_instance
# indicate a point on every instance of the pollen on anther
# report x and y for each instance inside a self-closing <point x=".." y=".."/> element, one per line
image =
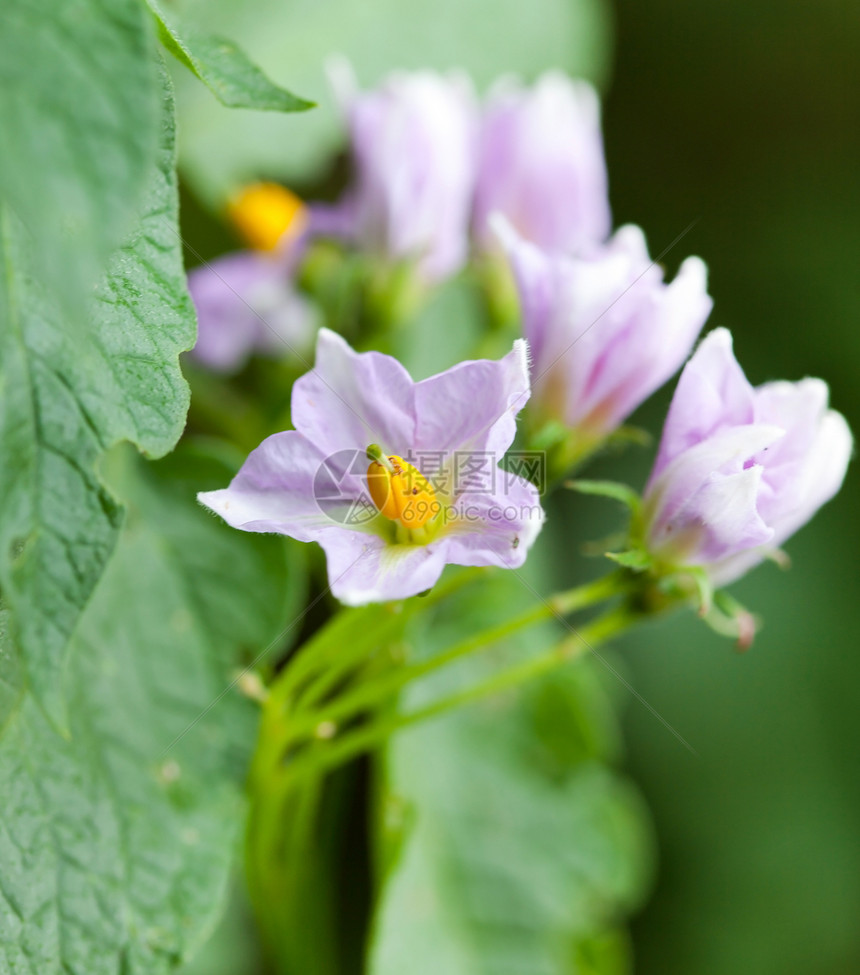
<point x="267" y="215"/>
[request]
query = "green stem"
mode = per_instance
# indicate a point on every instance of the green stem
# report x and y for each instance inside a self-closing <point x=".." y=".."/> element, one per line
<point x="366" y="739"/>
<point x="290" y="768"/>
<point x="353" y="653"/>
<point x="367" y="695"/>
<point x="325" y="660"/>
<point x="352" y="644"/>
<point x="348" y="637"/>
<point x="289" y="886"/>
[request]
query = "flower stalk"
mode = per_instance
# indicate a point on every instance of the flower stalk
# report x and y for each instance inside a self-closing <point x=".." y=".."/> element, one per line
<point x="366" y="695"/>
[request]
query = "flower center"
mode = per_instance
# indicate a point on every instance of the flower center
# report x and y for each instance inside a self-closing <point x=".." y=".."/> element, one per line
<point x="266" y="214"/>
<point x="400" y="491"/>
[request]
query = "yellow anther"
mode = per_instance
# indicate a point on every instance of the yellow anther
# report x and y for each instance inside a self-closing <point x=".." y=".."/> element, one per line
<point x="401" y="492"/>
<point x="267" y="214"/>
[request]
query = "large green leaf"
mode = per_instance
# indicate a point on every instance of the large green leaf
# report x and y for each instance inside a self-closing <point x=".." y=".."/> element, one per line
<point x="66" y="395"/>
<point x="510" y="843"/>
<point x="11" y="679"/>
<point x="79" y="110"/>
<point x="485" y="37"/>
<point x="115" y="845"/>
<point x="223" y="67"/>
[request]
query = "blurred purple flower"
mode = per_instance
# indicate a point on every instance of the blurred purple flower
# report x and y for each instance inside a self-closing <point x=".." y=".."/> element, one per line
<point x="739" y="469"/>
<point x="603" y="328"/>
<point x="246" y="303"/>
<point x="541" y="165"/>
<point x="413" y="141"/>
<point x="311" y="483"/>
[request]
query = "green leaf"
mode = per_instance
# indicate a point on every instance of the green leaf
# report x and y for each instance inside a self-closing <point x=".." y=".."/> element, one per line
<point x="609" y="489"/>
<point x="11" y="678"/>
<point x="224" y="68"/>
<point x="515" y="847"/>
<point x="79" y="110"/>
<point x="234" y="582"/>
<point x="221" y="149"/>
<point x="65" y="396"/>
<point x="117" y="844"/>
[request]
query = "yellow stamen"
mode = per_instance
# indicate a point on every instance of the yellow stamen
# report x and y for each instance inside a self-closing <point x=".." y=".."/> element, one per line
<point x="401" y="492"/>
<point x="267" y="214"/>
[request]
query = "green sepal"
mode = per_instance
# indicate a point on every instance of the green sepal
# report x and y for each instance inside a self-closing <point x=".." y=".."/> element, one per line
<point x="780" y="558"/>
<point x="636" y="559"/>
<point x="609" y="489"/>
<point x="704" y="589"/>
<point x="730" y="618"/>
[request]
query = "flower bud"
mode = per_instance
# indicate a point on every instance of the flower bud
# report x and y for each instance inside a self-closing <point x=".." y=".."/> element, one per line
<point x="605" y="331"/>
<point x="739" y="469"/>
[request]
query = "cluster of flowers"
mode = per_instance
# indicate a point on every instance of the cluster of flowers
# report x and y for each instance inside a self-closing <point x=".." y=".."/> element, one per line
<point x="436" y="180"/>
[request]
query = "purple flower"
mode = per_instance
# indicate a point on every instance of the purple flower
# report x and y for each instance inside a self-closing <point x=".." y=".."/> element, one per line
<point x="362" y="424"/>
<point x="413" y="141"/>
<point x="739" y="469"/>
<point x="604" y="329"/>
<point x="541" y="165"/>
<point x="246" y="303"/>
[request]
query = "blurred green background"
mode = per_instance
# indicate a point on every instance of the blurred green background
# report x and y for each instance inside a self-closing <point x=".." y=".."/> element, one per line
<point x="745" y="118"/>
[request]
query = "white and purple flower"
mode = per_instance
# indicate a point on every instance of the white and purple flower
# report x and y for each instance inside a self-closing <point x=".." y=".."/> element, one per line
<point x="604" y="329"/>
<point x="246" y="303"/>
<point x="740" y="468"/>
<point x="413" y="142"/>
<point x="371" y="446"/>
<point x="541" y="165"/>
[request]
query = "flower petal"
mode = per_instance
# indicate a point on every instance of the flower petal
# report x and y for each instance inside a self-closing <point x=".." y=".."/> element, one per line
<point x="274" y="490"/>
<point x="670" y="495"/>
<point x="604" y="329"/>
<point x="227" y="325"/>
<point x="246" y="303"/>
<point x="496" y="528"/>
<point x="713" y="393"/>
<point x="414" y="141"/>
<point x="535" y="277"/>
<point x="662" y="334"/>
<point x="473" y="406"/>
<point x="363" y="569"/>
<point x="352" y="399"/>
<point x="828" y="460"/>
<point x="541" y="164"/>
<point x="724" y="512"/>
